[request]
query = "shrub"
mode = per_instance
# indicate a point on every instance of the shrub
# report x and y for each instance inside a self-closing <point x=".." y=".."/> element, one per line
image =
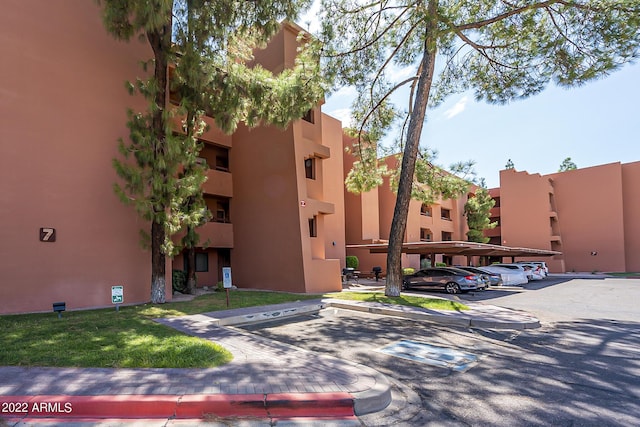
<point x="440" y="264"/>
<point x="220" y="286"/>
<point x="408" y="270"/>
<point x="425" y="263"/>
<point x="352" y="262"/>
<point x="179" y="280"/>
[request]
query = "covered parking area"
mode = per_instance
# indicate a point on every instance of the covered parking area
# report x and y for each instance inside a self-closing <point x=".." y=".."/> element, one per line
<point x="451" y="248"/>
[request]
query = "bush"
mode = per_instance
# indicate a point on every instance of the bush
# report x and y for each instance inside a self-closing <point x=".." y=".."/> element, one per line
<point x="179" y="280"/>
<point x="440" y="264"/>
<point x="425" y="263"/>
<point x="408" y="270"/>
<point x="352" y="262"/>
<point x="220" y="286"/>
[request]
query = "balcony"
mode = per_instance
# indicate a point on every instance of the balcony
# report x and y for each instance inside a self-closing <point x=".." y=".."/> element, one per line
<point x="219" y="183"/>
<point x="216" y="235"/>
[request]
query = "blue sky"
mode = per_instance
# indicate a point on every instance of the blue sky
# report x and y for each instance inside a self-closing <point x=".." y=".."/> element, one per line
<point x="594" y="124"/>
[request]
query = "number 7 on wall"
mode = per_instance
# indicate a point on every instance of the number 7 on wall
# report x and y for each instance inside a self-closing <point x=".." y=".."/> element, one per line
<point x="47" y="234"/>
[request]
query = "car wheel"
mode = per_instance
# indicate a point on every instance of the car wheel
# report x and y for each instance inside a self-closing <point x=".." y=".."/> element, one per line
<point x="452" y="288"/>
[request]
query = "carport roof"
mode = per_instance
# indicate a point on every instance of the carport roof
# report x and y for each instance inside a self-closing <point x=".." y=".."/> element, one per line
<point x="457" y="248"/>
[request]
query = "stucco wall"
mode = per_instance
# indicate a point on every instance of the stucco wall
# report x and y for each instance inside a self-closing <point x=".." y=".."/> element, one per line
<point x="631" y="195"/>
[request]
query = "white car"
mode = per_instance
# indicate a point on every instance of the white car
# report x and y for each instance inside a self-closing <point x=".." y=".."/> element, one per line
<point x="510" y="276"/>
<point x="543" y="266"/>
<point x="534" y="271"/>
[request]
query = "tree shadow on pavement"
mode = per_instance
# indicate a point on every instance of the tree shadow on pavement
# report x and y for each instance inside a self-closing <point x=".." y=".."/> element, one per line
<point x="575" y="373"/>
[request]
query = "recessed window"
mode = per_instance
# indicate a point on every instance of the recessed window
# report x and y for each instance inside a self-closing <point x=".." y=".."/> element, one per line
<point x="202" y="262"/>
<point x="308" y="116"/>
<point x="313" y="227"/>
<point x="310" y="168"/>
<point x="446" y="236"/>
<point x="425" y="235"/>
<point x="445" y="214"/>
<point x="425" y="210"/>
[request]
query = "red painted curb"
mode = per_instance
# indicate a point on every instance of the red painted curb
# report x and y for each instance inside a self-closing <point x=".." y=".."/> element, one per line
<point x="284" y="405"/>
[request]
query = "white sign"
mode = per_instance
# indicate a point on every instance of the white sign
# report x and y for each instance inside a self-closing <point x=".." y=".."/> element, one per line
<point x="117" y="294"/>
<point x="226" y="277"/>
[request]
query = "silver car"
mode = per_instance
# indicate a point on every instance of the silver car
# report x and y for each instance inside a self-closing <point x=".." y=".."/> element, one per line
<point x="450" y="279"/>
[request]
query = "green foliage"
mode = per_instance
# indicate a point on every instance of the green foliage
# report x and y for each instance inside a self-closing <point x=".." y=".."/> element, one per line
<point x="408" y="270"/>
<point x="440" y="264"/>
<point x="509" y="165"/>
<point x="431" y="182"/>
<point x="567" y="165"/>
<point x="179" y="280"/>
<point x="478" y="213"/>
<point x="352" y="261"/>
<point x="425" y="263"/>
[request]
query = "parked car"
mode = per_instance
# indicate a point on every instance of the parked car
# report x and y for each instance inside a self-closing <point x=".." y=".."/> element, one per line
<point x="534" y="271"/>
<point x="490" y="278"/>
<point x="510" y="276"/>
<point x="450" y="279"/>
<point x="543" y="266"/>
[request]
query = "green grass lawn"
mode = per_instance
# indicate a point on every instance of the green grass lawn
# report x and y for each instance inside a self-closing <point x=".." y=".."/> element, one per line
<point x="129" y="338"/>
<point x="430" y="303"/>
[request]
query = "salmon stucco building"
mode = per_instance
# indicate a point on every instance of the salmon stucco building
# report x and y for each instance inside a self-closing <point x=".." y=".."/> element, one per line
<point x="276" y="196"/>
<point x="589" y="214"/>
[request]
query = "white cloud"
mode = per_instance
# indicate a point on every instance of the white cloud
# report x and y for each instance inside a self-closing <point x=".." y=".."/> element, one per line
<point x="342" y="114"/>
<point x="456" y="109"/>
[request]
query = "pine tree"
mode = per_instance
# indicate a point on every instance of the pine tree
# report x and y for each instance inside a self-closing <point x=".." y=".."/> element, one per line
<point x="210" y="44"/>
<point x="478" y="213"/>
<point x="567" y="165"/>
<point x="502" y="50"/>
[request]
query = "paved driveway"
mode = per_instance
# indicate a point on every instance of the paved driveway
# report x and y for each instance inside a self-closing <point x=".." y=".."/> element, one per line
<point x="582" y="367"/>
<point x="563" y="299"/>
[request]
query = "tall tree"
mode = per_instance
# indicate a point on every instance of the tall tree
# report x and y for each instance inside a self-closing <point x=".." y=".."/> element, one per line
<point x="477" y="210"/>
<point x="567" y="165"/>
<point x="502" y="50"/>
<point x="210" y="44"/>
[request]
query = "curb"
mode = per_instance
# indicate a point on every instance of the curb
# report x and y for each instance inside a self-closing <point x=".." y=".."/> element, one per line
<point x="419" y="314"/>
<point x="195" y="406"/>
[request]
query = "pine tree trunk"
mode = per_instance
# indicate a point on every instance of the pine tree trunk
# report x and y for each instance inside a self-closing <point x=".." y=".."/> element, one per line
<point x="191" y="270"/>
<point x="160" y="42"/>
<point x="393" y="284"/>
<point x="158" y="268"/>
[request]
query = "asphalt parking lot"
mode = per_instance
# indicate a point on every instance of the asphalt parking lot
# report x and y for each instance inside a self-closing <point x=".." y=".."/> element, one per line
<point x="582" y="367"/>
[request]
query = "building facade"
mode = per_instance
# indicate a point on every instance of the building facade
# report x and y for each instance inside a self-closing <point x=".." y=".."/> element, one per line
<point x="66" y="236"/>
<point x="369" y="216"/>
<point x="589" y="214"/>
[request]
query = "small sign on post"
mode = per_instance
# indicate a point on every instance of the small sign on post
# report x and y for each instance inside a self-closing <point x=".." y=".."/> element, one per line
<point x="226" y="281"/>
<point x="117" y="296"/>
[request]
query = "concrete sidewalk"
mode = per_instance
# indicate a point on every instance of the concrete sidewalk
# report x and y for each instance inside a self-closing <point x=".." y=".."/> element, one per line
<point x="266" y="380"/>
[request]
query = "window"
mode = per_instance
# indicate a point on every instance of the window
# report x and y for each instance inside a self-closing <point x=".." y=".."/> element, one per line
<point x="425" y="235"/>
<point x="313" y="227"/>
<point x="219" y="208"/>
<point x="447" y="235"/>
<point x="310" y="168"/>
<point x="308" y="116"/>
<point x="425" y="210"/>
<point x="202" y="261"/>
<point x="445" y="214"/>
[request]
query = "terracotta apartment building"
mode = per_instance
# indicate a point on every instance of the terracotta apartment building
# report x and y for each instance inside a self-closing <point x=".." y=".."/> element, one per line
<point x="276" y="196"/>
<point x="590" y="215"/>
<point x="369" y="216"/>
